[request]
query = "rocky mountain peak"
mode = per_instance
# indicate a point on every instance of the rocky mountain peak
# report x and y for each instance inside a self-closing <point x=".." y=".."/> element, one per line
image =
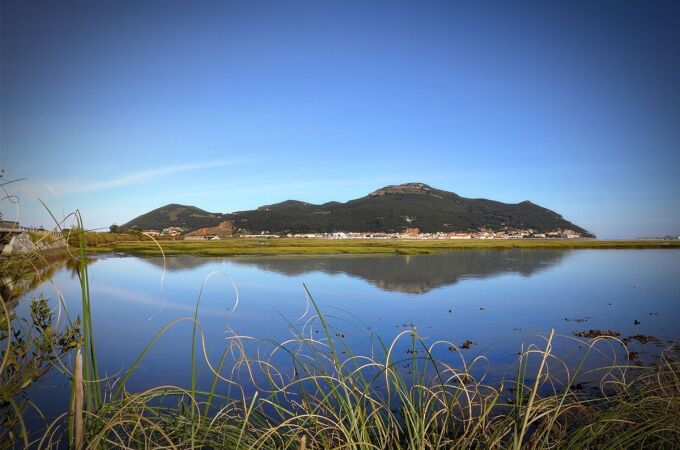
<point x="406" y="188"/>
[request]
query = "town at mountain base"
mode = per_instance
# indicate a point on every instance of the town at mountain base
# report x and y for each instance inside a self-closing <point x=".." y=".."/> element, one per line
<point x="411" y="210"/>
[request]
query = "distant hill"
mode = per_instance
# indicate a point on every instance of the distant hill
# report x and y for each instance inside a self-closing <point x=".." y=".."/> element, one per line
<point x="175" y="215"/>
<point x="389" y="209"/>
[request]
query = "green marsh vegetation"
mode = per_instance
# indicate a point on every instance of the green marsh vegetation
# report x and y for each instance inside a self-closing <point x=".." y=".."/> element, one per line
<point x="32" y="347"/>
<point x="325" y="396"/>
<point x="291" y="246"/>
<point x="105" y="242"/>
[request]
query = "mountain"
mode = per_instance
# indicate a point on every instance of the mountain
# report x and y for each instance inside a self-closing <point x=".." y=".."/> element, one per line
<point x="175" y="215"/>
<point x="389" y="209"/>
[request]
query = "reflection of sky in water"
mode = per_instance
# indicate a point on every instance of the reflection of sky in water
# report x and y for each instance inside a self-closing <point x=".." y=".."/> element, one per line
<point x="498" y="299"/>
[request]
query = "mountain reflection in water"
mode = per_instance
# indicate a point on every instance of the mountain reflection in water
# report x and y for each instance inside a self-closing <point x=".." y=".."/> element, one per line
<point x="412" y="274"/>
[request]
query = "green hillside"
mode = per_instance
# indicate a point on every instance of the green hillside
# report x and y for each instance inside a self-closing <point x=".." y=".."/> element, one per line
<point x="390" y="209"/>
<point x="175" y="215"/>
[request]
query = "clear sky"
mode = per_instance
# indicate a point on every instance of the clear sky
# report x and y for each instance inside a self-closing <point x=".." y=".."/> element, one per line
<point x="122" y="107"/>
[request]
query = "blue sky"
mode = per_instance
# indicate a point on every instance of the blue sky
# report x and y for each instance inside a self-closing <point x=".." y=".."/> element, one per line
<point x="116" y="108"/>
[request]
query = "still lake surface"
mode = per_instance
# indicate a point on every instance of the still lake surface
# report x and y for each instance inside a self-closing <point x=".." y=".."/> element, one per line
<point x="498" y="299"/>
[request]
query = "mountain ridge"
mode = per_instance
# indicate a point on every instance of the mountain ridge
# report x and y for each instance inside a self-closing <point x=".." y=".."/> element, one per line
<point x="392" y="208"/>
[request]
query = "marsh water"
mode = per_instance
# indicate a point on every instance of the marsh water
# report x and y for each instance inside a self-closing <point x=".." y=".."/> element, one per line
<point x="499" y="300"/>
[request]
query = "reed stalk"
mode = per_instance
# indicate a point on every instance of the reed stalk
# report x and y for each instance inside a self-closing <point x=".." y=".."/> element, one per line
<point x="78" y="399"/>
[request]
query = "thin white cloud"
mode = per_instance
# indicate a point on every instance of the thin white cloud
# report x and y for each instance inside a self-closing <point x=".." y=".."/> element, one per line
<point x="144" y="176"/>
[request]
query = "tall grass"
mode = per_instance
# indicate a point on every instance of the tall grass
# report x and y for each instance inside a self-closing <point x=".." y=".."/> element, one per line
<point x="355" y="401"/>
<point x="91" y="379"/>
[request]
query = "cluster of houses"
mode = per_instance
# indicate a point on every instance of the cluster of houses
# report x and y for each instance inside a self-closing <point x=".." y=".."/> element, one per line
<point x="172" y="231"/>
<point x="226" y="230"/>
<point x="414" y="233"/>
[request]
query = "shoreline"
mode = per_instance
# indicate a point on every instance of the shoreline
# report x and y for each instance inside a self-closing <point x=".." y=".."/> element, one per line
<point x="309" y="247"/>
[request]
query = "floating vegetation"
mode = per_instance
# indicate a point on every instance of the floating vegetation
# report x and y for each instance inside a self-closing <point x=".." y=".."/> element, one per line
<point x="642" y="339"/>
<point x="597" y="334"/>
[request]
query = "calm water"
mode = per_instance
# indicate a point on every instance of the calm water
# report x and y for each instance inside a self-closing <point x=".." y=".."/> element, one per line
<point x="500" y="300"/>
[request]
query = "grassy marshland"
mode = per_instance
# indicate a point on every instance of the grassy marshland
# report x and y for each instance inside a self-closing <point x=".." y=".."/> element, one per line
<point x="242" y="246"/>
<point x="327" y="397"/>
<point x="330" y="400"/>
